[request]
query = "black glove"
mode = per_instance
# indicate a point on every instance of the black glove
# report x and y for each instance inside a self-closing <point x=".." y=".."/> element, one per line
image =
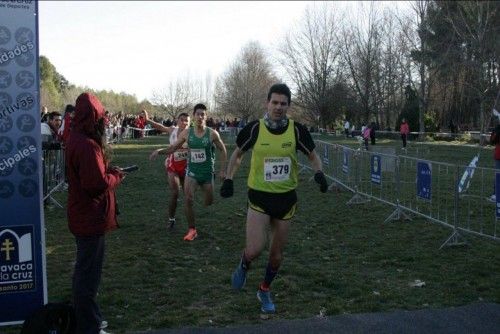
<point x="320" y="179"/>
<point x="226" y="190"/>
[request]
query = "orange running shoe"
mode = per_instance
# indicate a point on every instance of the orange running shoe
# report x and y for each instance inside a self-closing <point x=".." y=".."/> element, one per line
<point x="191" y="234"/>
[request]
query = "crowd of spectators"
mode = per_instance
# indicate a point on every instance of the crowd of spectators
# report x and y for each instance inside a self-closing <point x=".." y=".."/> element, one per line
<point x="56" y="125"/>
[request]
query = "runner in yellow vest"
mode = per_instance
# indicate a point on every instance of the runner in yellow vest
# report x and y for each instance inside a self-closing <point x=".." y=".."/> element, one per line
<point x="272" y="180"/>
<point x="200" y="140"/>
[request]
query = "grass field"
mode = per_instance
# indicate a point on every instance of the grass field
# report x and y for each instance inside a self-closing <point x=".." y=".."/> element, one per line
<point x="340" y="259"/>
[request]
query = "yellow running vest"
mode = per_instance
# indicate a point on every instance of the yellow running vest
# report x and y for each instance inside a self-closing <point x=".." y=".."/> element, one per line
<point x="273" y="167"/>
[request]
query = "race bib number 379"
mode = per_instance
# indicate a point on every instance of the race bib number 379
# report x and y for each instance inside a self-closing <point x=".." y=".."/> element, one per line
<point x="277" y="169"/>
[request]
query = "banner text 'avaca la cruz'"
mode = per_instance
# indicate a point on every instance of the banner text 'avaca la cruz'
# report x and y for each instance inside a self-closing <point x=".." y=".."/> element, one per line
<point x="23" y="286"/>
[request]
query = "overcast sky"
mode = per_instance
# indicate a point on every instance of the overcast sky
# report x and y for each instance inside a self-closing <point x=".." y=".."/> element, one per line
<point x="137" y="47"/>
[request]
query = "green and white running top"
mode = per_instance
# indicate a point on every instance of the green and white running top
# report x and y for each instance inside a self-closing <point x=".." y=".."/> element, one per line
<point x="201" y="155"/>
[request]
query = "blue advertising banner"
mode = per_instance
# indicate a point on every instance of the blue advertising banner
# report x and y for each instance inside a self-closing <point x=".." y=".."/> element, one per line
<point x="375" y="169"/>
<point x="497" y="194"/>
<point x="345" y="161"/>
<point x="424" y="177"/>
<point x="23" y="287"/>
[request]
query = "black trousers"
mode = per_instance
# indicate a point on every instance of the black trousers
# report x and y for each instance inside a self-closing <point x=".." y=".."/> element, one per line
<point x="403" y="137"/>
<point x="86" y="279"/>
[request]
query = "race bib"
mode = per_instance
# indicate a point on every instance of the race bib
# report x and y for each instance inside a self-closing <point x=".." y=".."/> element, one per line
<point x="277" y="169"/>
<point x="180" y="155"/>
<point x="198" y="155"/>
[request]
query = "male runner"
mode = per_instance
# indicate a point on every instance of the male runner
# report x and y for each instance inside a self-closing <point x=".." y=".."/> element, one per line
<point x="272" y="180"/>
<point x="175" y="163"/>
<point x="200" y="140"/>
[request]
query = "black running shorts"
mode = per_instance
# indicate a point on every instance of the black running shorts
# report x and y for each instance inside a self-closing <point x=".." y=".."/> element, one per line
<point x="279" y="206"/>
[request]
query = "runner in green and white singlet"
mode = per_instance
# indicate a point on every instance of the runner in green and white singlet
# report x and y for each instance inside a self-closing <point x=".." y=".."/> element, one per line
<point x="200" y="170"/>
<point x="201" y="158"/>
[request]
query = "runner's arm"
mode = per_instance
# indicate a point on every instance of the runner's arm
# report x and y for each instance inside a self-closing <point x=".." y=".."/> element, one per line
<point x="315" y="161"/>
<point x="181" y="139"/>
<point x="234" y="163"/>
<point x="157" y="126"/>
<point x="222" y="148"/>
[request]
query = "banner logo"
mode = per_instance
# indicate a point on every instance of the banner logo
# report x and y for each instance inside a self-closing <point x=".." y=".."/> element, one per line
<point x="17" y="272"/>
<point x="424" y="178"/>
<point x="375" y="169"/>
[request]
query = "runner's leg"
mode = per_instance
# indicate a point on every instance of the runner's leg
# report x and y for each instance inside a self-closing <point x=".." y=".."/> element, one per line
<point x="174" y="183"/>
<point x="279" y="239"/>
<point x="190" y="185"/>
<point x="256" y="233"/>
<point x="208" y="192"/>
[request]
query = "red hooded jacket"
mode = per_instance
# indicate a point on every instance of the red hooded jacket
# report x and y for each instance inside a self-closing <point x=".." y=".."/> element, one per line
<point x="494" y="140"/>
<point x="66" y="127"/>
<point x="404" y="129"/>
<point x="91" y="192"/>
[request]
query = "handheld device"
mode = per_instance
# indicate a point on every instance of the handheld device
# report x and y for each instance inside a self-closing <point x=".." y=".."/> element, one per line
<point x="129" y="169"/>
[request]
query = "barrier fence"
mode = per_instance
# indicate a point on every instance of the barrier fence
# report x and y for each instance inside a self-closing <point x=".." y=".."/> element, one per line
<point x="452" y="195"/>
<point x="129" y="133"/>
<point x="53" y="169"/>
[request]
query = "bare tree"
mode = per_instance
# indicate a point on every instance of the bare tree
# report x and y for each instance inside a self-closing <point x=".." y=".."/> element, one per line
<point x="476" y="24"/>
<point x="362" y="45"/>
<point x="242" y="90"/>
<point x="177" y="97"/>
<point x="420" y="7"/>
<point x="310" y="55"/>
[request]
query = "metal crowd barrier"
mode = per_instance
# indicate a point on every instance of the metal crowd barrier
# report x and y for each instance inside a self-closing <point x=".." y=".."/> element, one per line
<point x="53" y="169"/>
<point x="465" y="209"/>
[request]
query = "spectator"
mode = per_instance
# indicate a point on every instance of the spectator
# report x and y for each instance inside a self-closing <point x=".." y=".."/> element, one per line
<point x="140" y="123"/>
<point x="69" y="112"/>
<point x="372" y="132"/>
<point x="44" y="114"/>
<point x="347" y="126"/>
<point x="50" y="129"/>
<point x="366" y="135"/>
<point x="453" y="128"/>
<point x="404" y="130"/>
<point x="91" y="207"/>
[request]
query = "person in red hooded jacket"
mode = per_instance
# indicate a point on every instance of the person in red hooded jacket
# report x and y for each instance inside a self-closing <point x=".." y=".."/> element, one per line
<point x="140" y="122"/>
<point x="404" y="130"/>
<point x="91" y="206"/>
<point x="66" y="124"/>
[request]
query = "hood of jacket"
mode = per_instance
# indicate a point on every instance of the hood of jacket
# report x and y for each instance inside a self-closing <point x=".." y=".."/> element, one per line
<point x="88" y="111"/>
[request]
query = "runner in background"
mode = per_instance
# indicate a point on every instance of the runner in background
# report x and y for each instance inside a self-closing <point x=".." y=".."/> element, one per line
<point x="200" y="170"/>
<point x="175" y="163"/>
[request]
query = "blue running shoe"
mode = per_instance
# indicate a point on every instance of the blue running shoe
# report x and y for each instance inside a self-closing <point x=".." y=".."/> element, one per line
<point x="265" y="299"/>
<point x="239" y="277"/>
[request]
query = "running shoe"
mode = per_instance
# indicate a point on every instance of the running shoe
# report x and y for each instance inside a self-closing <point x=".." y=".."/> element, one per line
<point x="267" y="305"/>
<point x="171" y="223"/>
<point x="239" y="277"/>
<point x="191" y="234"/>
